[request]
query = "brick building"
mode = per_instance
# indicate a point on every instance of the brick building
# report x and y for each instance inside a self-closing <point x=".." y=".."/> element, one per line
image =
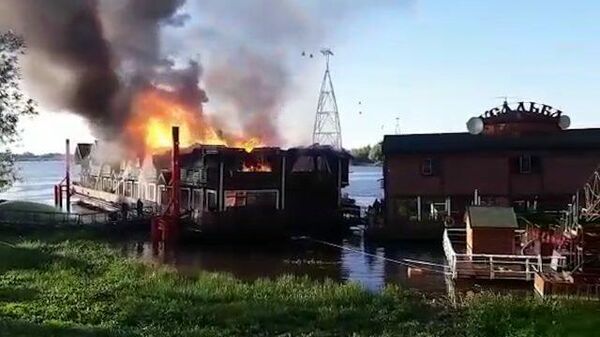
<point x="521" y="156"/>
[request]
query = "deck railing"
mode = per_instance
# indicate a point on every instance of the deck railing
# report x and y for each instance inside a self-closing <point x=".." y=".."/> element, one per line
<point x="492" y="266"/>
<point x="16" y="217"/>
<point x="56" y="219"/>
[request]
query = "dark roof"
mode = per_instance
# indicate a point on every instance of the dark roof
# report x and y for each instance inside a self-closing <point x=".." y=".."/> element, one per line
<point x="165" y="177"/>
<point x="163" y="161"/>
<point x="191" y="155"/>
<point x="317" y="149"/>
<point x="575" y="139"/>
<point x="82" y="151"/>
<point x="492" y="217"/>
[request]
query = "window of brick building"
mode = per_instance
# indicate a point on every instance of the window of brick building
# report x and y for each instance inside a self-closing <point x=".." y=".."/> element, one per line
<point x="427" y="167"/>
<point x="525" y="164"/>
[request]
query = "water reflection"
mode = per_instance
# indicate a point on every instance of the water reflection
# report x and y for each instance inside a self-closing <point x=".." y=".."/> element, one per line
<point x="304" y="257"/>
<point x="248" y="262"/>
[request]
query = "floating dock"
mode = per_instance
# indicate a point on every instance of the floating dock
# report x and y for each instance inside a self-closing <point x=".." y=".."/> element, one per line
<point x="491" y="266"/>
<point x="225" y="191"/>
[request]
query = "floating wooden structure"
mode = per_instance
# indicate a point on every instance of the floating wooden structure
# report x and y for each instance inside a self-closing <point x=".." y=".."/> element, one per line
<point x="491" y="266"/>
<point x="490" y="230"/>
<point x="491" y="247"/>
<point x="566" y="284"/>
<point x="581" y="277"/>
<point x="518" y="155"/>
<point x="581" y="244"/>
<point x="225" y="191"/>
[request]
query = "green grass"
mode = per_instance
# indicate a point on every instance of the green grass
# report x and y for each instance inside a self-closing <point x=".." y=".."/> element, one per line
<point x="75" y="285"/>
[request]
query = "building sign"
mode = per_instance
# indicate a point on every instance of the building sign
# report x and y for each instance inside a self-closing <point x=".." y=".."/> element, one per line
<point x="525" y="108"/>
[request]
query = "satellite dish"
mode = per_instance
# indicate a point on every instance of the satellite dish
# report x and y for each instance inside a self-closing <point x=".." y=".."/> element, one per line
<point x="475" y="125"/>
<point x="564" y="122"/>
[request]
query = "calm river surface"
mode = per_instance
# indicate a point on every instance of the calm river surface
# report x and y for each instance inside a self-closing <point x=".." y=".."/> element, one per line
<point x="298" y="257"/>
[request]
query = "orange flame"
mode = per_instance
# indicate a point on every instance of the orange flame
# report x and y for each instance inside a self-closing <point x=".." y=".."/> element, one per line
<point x="256" y="167"/>
<point x="155" y="111"/>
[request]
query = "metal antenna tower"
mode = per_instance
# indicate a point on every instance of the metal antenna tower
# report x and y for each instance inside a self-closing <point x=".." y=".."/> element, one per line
<point x="327" y="130"/>
<point x="397" y="126"/>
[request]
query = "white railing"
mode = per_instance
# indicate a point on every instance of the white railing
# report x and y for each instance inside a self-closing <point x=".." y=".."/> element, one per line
<point x="493" y="266"/>
<point x="449" y="251"/>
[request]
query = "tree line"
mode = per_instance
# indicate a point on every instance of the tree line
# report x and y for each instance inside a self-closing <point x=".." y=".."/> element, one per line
<point x="368" y="154"/>
<point x="13" y="103"/>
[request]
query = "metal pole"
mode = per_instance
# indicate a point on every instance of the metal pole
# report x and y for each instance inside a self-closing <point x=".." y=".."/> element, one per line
<point x="339" y="181"/>
<point x="60" y="196"/>
<point x="68" y="175"/>
<point x="221" y="192"/>
<point x="176" y="188"/>
<point x="56" y="187"/>
<point x="283" y="166"/>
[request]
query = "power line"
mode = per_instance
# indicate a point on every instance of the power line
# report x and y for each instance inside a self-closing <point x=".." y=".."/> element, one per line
<point x="405" y="262"/>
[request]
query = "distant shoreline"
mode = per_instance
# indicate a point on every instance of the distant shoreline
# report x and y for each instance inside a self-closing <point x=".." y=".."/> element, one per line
<point x="366" y="164"/>
<point x="39" y="160"/>
<point x="42" y="157"/>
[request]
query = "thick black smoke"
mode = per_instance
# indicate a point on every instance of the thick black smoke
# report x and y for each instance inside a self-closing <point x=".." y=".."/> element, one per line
<point x="66" y="34"/>
<point x="90" y="57"/>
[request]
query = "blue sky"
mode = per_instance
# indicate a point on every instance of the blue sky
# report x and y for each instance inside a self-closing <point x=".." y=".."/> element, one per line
<point x="447" y="60"/>
<point x="433" y="64"/>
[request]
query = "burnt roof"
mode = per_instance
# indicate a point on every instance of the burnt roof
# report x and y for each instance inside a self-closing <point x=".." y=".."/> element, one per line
<point x="165" y="177"/>
<point x="189" y="156"/>
<point x="82" y="151"/>
<point x="317" y="149"/>
<point x="575" y="139"/>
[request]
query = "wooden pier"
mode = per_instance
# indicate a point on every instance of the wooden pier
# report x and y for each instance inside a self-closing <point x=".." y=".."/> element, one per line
<point x="491" y="266"/>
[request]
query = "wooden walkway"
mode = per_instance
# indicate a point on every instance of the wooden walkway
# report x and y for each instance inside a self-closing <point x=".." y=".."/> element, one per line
<point x="491" y="266"/>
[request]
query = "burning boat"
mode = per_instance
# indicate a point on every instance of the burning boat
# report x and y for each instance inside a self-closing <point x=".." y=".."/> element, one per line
<point x="227" y="191"/>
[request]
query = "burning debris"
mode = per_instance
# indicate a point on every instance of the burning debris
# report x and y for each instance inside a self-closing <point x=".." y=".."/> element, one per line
<point x="256" y="165"/>
<point x="155" y="110"/>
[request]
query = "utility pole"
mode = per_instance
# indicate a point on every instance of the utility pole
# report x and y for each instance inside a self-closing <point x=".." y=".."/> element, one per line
<point x="327" y="129"/>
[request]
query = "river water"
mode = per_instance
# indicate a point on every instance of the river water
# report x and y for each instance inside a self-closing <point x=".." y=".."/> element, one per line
<point x="357" y="261"/>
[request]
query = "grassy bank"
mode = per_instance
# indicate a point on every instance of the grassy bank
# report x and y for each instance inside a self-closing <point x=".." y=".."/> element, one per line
<point x="75" y="285"/>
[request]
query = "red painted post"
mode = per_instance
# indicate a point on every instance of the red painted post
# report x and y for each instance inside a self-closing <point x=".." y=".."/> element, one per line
<point x="165" y="227"/>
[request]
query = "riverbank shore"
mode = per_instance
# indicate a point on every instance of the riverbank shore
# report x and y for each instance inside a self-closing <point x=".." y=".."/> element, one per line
<point x="76" y="284"/>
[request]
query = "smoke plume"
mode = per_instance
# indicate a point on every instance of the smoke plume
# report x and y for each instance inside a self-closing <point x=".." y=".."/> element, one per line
<point x="91" y="57"/>
<point x="65" y="39"/>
